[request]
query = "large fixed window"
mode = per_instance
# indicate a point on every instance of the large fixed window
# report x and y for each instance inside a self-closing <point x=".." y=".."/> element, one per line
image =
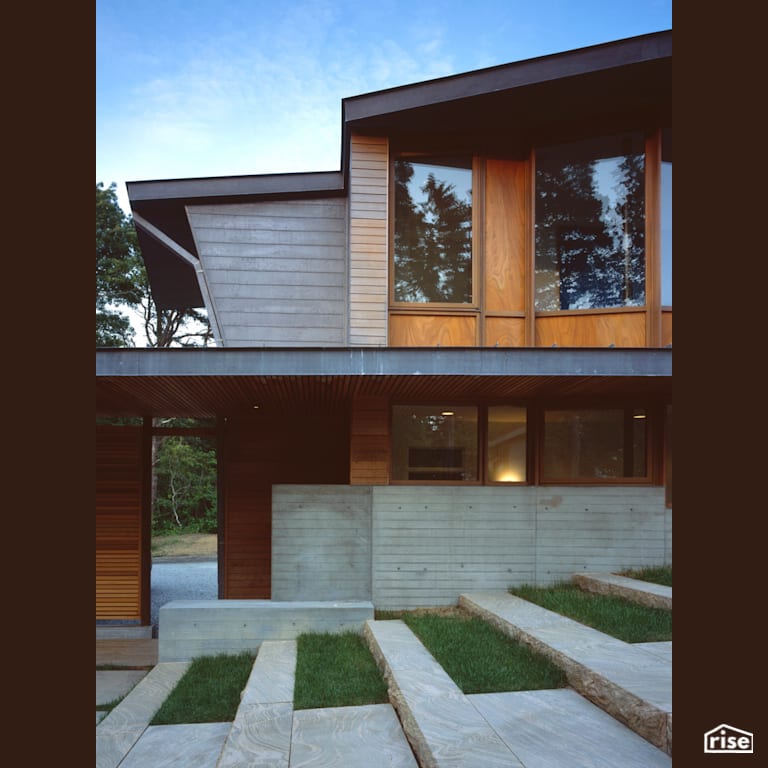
<point x="433" y="231"/>
<point x="590" y="224"/>
<point x="592" y="444"/>
<point x="507" y="444"/>
<point x="666" y="220"/>
<point x="432" y="443"/>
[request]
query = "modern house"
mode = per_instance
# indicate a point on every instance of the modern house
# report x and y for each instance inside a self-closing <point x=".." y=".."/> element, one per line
<point x="445" y="367"/>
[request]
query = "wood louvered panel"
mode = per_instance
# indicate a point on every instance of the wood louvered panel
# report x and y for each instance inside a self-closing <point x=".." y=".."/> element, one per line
<point x="118" y="523"/>
<point x="369" y="442"/>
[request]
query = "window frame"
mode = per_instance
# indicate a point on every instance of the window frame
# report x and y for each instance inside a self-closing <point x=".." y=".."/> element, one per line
<point x="436" y="307"/>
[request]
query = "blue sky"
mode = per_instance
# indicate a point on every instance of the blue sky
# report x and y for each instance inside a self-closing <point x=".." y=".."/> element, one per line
<point x="199" y="88"/>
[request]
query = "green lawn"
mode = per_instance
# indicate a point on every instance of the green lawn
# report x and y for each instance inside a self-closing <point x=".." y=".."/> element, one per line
<point x="336" y="670"/>
<point x="478" y="657"/>
<point x="615" y="616"/>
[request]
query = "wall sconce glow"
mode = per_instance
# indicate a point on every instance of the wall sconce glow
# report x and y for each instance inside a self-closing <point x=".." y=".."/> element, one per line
<point x="448" y="413"/>
<point x="638" y="416"/>
<point x="509" y="476"/>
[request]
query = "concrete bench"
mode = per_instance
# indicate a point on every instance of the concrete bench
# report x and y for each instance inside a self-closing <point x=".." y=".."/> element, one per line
<point x="191" y="628"/>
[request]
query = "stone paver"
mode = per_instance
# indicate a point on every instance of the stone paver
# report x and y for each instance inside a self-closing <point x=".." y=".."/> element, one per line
<point x="631" y="683"/>
<point x="261" y="732"/>
<point x="172" y="746"/>
<point x="442" y="725"/>
<point x="112" y="684"/>
<point x="561" y="729"/>
<point x="122" y="727"/>
<point x="352" y="737"/>
<point x="643" y="592"/>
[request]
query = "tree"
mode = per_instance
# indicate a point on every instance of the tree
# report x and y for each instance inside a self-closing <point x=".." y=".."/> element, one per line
<point x="119" y="271"/>
<point x="122" y="284"/>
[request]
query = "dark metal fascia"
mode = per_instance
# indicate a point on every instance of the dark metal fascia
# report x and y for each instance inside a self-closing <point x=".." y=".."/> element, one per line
<point x="389" y="361"/>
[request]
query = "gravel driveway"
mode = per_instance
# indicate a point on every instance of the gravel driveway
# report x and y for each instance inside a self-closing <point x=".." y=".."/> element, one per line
<point x="182" y="580"/>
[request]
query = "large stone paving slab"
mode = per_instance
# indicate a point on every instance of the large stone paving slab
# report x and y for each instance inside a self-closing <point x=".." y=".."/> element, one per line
<point x="443" y="727"/>
<point x="352" y="737"/>
<point x="643" y="592"/>
<point x="113" y="684"/>
<point x="173" y="746"/>
<point x="560" y="729"/>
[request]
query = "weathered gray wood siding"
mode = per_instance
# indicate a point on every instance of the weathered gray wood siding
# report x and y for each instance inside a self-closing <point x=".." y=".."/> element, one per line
<point x="321" y="542"/>
<point x="428" y="544"/>
<point x="368" y="259"/>
<point x="276" y="270"/>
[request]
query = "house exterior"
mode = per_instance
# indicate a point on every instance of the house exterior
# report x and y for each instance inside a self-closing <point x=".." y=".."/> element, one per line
<point x="446" y="366"/>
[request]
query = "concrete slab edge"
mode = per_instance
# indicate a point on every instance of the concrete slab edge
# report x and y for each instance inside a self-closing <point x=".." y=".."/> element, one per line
<point x="630" y="589"/>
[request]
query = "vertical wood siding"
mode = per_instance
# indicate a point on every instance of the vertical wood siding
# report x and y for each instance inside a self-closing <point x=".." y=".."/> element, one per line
<point x="368" y="254"/>
<point x="369" y="441"/>
<point x="277" y="270"/>
<point x="118" y="523"/>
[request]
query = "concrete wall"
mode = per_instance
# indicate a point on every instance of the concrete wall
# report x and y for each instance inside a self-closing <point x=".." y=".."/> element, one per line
<point x="427" y="544"/>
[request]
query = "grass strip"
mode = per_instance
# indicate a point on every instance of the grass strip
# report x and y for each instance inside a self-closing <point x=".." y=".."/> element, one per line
<point x="208" y="692"/>
<point x="336" y="670"/>
<point x="480" y="658"/>
<point x="616" y="616"/>
<point x="661" y="575"/>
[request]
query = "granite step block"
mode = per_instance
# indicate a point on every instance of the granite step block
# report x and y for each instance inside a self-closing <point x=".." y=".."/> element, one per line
<point x="643" y="592"/>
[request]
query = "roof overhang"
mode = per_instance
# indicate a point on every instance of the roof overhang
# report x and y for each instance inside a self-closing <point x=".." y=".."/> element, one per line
<point x="499" y="109"/>
<point x="204" y="383"/>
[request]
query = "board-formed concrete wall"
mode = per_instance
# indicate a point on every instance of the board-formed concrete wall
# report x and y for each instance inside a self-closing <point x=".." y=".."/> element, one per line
<point x="415" y="546"/>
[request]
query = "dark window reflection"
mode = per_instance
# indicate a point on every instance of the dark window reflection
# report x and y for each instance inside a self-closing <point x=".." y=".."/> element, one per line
<point x="433" y="231"/>
<point x="590" y="224"/>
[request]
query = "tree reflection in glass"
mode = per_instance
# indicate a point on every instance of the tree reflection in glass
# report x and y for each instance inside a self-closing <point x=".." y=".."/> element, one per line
<point x="590" y="224"/>
<point x="433" y="232"/>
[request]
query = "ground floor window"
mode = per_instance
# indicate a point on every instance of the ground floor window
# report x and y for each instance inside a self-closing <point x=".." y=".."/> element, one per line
<point x="522" y="443"/>
<point x="594" y="444"/>
<point x="434" y="443"/>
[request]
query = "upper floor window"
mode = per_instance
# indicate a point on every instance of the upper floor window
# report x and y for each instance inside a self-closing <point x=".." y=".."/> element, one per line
<point x="590" y="224"/>
<point x="433" y="230"/>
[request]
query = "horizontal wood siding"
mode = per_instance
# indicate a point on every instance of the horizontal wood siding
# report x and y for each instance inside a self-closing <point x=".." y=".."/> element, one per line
<point x="118" y="523"/>
<point x="276" y="270"/>
<point x="369" y="441"/>
<point x="321" y="543"/>
<point x="368" y="254"/>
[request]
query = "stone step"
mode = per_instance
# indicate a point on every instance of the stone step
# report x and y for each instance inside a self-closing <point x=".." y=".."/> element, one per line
<point x="631" y="683"/>
<point x="643" y="592"/>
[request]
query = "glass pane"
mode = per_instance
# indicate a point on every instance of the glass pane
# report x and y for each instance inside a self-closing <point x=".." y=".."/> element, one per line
<point x="594" y="444"/>
<point x="434" y="443"/>
<point x="666" y="234"/>
<point x="433" y="231"/>
<point x="590" y="224"/>
<point x="506" y="444"/>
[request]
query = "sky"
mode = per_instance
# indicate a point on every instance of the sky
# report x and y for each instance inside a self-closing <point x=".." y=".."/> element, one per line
<point x="201" y="88"/>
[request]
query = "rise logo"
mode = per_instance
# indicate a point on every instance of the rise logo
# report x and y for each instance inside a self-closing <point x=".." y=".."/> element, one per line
<point x="725" y="739"/>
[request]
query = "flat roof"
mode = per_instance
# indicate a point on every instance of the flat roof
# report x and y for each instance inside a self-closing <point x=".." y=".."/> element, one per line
<point x="205" y="382"/>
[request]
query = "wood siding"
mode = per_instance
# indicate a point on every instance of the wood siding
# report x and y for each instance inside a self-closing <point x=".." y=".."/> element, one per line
<point x="269" y="448"/>
<point x="119" y="493"/>
<point x="592" y="330"/>
<point x="369" y="441"/>
<point x="368" y="254"/>
<point x="666" y="328"/>
<point x="429" y="544"/>
<point x="276" y="270"/>
<point x="423" y="330"/>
